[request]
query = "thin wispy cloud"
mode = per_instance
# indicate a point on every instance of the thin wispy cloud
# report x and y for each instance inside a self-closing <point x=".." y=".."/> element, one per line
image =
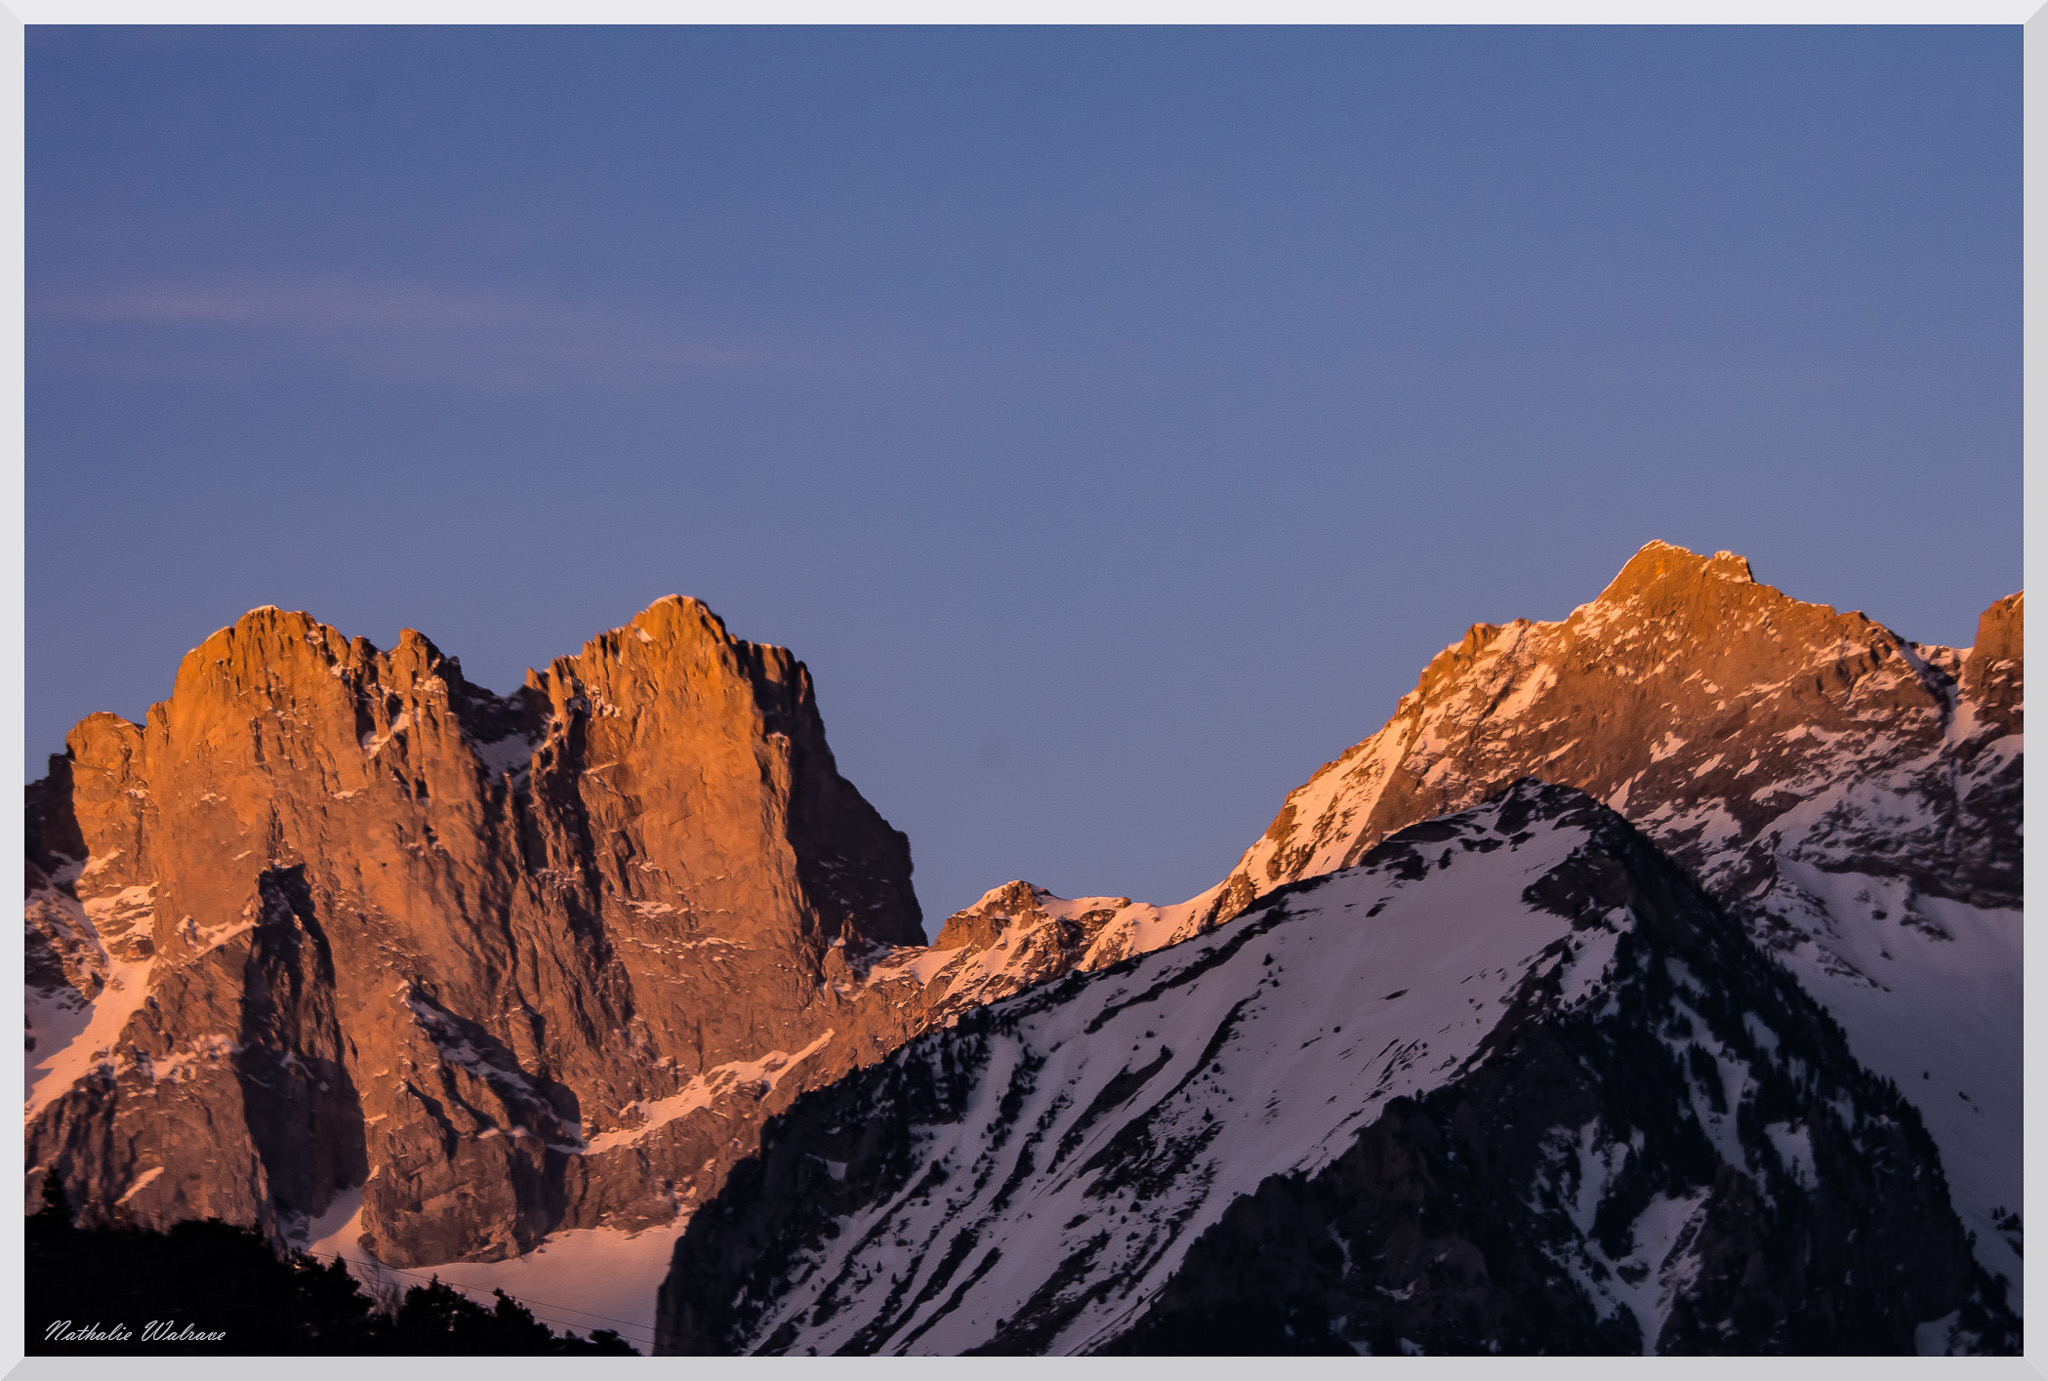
<point x="382" y="331"/>
<point x="302" y="306"/>
<point x="420" y="334"/>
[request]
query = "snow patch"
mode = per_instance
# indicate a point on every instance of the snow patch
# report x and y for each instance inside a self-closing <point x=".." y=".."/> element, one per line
<point x="73" y="1037"/>
<point x="581" y="1280"/>
<point x="1945" y="1025"/>
<point x="1527" y="691"/>
<point x="701" y="1092"/>
<point x="373" y="742"/>
<point x="142" y="1182"/>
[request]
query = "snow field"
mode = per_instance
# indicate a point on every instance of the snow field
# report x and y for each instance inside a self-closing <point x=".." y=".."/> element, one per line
<point x="1249" y="1079"/>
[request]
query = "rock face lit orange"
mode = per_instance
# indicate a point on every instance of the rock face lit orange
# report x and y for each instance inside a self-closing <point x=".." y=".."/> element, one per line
<point x="333" y="919"/>
<point x="1701" y="704"/>
<point x="380" y="927"/>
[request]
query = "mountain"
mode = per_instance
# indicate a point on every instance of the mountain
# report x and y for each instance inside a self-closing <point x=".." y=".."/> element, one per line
<point x="1511" y="1083"/>
<point x="1853" y="798"/>
<point x="334" y="919"/>
<point x="339" y="945"/>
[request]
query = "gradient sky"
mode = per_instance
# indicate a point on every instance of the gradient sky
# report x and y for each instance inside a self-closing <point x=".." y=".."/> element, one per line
<point x="1116" y="421"/>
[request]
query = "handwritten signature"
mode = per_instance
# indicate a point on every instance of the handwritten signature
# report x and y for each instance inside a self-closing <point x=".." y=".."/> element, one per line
<point x="155" y="1331"/>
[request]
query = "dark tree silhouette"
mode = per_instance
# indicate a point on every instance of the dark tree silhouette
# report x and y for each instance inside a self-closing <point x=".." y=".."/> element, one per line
<point x="210" y="1277"/>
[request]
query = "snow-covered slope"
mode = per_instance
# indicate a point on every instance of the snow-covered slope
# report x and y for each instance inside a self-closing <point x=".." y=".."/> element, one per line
<point x="1675" y="1152"/>
<point x="1854" y="798"/>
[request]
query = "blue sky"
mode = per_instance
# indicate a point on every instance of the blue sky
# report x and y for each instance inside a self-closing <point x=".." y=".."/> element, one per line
<point x="1115" y="420"/>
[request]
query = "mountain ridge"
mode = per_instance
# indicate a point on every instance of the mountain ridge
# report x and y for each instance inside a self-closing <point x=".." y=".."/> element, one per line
<point x="658" y="811"/>
<point x="1853" y="797"/>
<point x="307" y="818"/>
<point x="1693" y="1164"/>
<point x="653" y="830"/>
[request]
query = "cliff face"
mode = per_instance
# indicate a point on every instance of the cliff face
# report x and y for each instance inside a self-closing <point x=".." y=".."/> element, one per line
<point x="1854" y="799"/>
<point x="333" y="917"/>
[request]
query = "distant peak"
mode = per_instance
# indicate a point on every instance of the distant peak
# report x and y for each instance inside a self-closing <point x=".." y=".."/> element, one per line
<point x="269" y="616"/>
<point x="1657" y="563"/>
<point x="1018" y="895"/>
<point x="672" y="610"/>
<point x="2001" y="630"/>
<point x="1729" y="566"/>
<point x="981" y="924"/>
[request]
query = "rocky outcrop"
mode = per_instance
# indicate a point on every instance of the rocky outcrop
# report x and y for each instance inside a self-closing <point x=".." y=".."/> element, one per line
<point x="333" y="917"/>
<point x="1853" y="798"/>
<point x="1513" y="1083"/>
<point x="1019" y="935"/>
<point x="1705" y="706"/>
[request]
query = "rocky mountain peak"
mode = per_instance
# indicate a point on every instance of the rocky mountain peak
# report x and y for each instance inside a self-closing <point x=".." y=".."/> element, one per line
<point x="675" y="630"/>
<point x="1666" y="594"/>
<point x="1993" y="671"/>
<point x="1852" y="797"/>
<point x="266" y="646"/>
<point x="995" y="911"/>
<point x="1681" y="661"/>
<point x="2001" y="630"/>
<point x="340" y="944"/>
<point x="456" y="939"/>
<point x="1659" y="565"/>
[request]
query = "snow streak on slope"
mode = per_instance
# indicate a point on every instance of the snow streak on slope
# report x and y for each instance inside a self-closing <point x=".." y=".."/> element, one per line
<point x="71" y="1034"/>
<point x="1513" y="1083"/>
<point x="1390" y="986"/>
<point x="1958" y="1060"/>
<point x="703" y="1092"/>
